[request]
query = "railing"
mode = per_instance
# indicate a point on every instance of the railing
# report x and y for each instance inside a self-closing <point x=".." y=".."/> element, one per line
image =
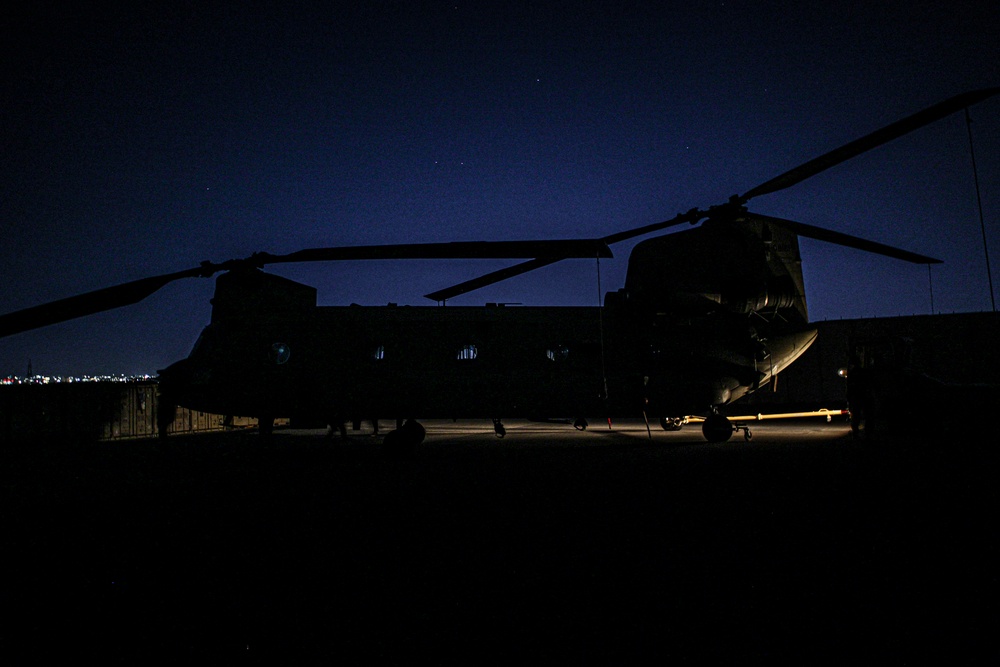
<point x="96" y="411"/>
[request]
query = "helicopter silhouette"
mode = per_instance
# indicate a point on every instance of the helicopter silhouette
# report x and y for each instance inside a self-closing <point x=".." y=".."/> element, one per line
<point x="706" y="316"/>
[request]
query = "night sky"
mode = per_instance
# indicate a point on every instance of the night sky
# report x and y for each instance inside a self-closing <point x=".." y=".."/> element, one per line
<point x="141" y="142"/>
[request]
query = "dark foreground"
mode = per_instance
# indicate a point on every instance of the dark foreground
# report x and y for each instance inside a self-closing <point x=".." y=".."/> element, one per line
<point x="547" y="544"/>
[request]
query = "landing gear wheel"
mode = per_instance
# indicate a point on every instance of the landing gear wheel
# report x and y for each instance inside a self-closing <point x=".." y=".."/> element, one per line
<point x="499" y="429"/>
<point x="671" y="423"/>
<point x="337" y="427"/>
<point x="580" y="424"/>
<point x="717" y="428"/>
<point x="265" y="426"/>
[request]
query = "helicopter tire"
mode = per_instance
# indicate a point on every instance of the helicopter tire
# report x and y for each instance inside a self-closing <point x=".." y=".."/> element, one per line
<point x="580" y="424"/>
<point x="717" y="428"/>
<point x="265" y="426"/>
<point x="671" y="423"/>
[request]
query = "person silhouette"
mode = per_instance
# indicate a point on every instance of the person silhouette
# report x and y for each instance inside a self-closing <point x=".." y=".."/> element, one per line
<point x="858" y="394"/>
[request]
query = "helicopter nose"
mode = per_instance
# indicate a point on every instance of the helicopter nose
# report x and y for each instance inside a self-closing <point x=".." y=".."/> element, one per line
<point x="173" y="370"/>
<point x="174" y="381"/>
<point x="175" y="378"/>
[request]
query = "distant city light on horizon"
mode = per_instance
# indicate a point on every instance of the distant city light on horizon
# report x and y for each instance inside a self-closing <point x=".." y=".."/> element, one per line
<point x="71" y="379"/>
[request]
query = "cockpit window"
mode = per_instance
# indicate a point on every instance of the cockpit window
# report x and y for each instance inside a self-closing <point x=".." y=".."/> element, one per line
<point x="378" y="353"/>
<point x="467" y="353"/>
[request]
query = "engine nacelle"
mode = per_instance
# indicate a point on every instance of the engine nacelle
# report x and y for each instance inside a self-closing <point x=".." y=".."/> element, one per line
<point x="742" y="268"/>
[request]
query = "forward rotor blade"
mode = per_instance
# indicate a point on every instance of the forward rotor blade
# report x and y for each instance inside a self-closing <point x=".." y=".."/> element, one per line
<point x="89" y="303"/>
<point x="868" y="142"/>
<point x="491" y="278"/>
<point x="821" y="234"/>
<point x="454" y="250"/>
<point x="692" y="216"/>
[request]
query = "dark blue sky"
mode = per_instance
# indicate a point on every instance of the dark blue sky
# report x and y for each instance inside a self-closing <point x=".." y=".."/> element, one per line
<point x="139" y="142"/>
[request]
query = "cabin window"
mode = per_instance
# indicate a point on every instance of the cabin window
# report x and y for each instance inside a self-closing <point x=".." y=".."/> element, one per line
<point x="378" y="353"/>
<point x="558" y="353"/>
<point x="467" y="353"/>
<point x="280" y="353"/>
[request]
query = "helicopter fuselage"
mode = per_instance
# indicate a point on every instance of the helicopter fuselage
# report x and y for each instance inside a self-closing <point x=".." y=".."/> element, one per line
<point x="326" y="363"/>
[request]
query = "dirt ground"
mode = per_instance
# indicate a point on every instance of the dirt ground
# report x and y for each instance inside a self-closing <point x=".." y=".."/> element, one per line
<point x="548" y="544"/>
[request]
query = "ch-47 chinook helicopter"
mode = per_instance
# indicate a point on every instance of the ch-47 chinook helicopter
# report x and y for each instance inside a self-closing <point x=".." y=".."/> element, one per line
<point x="706" y="316"/>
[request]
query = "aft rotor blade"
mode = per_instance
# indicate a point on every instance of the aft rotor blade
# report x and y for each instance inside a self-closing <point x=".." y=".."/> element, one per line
<point x="868" y="142"/>
<point x="821" y="234"/>
<point x="454" y="250"/>
<point x="89" y="303"/>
